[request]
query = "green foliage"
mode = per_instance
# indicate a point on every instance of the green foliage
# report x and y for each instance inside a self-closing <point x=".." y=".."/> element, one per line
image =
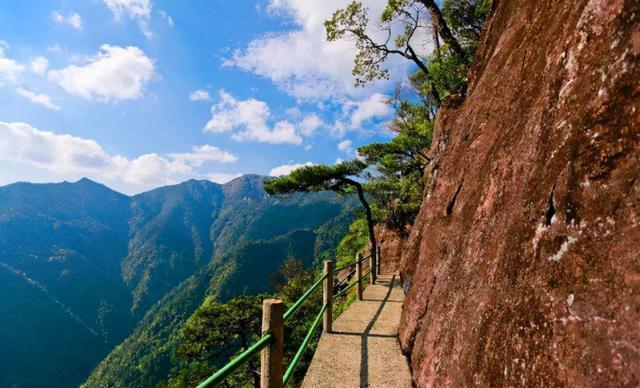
<point x="465" y="18"/>
<point x="398" y="184"/>
<point x="250" y="241"/>
<point x="338" y="178"/>
<point x="213" y="326"/>
<point x="351" y="22"/>
<point x="158" y="261"/>
<point x="354" y="241"/>
<point x="264" y="257"/>
<point x="291" y="280"/>
<point x="444" y="72"/>
<point x="61" y="247"/>
<point x="447" y="72"/>
<point x="218" y="331"/>
<point x="329" y="235"/>
<point x="317" y="178"/>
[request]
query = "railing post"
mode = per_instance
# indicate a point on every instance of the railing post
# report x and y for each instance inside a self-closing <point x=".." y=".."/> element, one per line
<point x="327" y="295"/>
<point x="272" y="356"/>
<point x="378" y="260"/>
<point x="359" y="275"/>
<point x="372" y="267"/>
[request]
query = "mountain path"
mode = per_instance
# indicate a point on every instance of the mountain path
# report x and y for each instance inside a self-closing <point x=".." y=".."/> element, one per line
<point x="363" y="349"/>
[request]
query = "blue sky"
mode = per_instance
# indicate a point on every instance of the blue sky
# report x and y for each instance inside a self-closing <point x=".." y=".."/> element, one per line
<point x="137" y="94"/>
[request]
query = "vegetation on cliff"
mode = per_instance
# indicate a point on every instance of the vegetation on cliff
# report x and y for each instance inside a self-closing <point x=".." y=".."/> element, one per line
<point x="390" y="177"/>
<point x="387" y="178"/>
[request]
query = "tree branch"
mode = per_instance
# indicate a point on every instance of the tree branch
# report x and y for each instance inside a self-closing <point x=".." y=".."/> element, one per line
<point x="443" y="29"/>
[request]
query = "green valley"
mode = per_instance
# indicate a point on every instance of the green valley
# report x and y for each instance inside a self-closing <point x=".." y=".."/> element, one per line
<point x="116" y="277"/>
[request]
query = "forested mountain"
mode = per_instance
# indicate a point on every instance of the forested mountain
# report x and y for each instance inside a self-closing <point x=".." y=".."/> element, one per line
<point x="83" y="268"/>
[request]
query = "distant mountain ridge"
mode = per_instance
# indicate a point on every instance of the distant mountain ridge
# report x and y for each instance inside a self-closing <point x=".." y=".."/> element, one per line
<point x="81" y="266"/>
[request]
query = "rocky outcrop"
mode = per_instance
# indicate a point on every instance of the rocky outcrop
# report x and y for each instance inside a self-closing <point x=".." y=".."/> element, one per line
<point x="523" y="267"/>
<point x="390" y="244"/>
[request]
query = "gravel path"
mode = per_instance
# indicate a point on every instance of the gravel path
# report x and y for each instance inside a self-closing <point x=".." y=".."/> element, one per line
<point x="363" y="350"/>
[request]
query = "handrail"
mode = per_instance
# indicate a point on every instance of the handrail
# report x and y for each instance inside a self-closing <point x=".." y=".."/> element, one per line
<point x="303" y="347"/>
<point x="336" y="270"/>
<point x="294" y="307"/>
<point x="235" y="363"/>
<point x="350" y="285"/>
<point x="267" y="339"/>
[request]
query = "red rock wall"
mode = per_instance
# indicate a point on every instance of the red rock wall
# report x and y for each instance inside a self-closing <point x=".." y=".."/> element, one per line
<point x="523" y="267"/>
<point x="390" y="244"/>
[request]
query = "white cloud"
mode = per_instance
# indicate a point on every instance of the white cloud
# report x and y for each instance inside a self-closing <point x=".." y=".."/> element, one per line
<point x="133" y="8"/>
<point x="205" y="153"/>
<point x="302" y="62"/>
<point x="73" y="19"/>
<point x="356" y="114"/>
<point x="166" y="17"/>
<point x="146" y="30"/>
<point x="345" y="146"/>
<point x="139" y="10"/>
<point x="286" y="169"/>
<point x="72" y="157"/>
<point x="116" y="73"/>
<point x="57" y="17"/>
<point x="199" y="95"/>
<point x="9" y="68"/>
<point x="310" y="124"/>
<point x="374" y="106"/>
<point x="249" y="119"/>
<point x="39" y="65"/>
<point x="55" y="49"/>
<point x="39" y="99"/>
<point x="151" y="169"/>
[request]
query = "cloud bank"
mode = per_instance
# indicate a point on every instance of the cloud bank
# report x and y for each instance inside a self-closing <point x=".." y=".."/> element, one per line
<point x="72" y="157"/>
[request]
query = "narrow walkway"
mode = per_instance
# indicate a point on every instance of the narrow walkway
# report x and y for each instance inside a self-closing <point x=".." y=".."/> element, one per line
<point x="363" y="350"/>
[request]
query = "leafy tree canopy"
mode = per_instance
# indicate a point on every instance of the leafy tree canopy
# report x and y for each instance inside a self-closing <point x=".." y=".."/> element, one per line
<point x="317" y="178"/>
<point x="214" y="330"/>
<point x="340" y="178"/>
<point x="466" y="18"/>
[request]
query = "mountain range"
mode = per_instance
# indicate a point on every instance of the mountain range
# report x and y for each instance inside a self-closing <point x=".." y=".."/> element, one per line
<point x="95" y="285"/>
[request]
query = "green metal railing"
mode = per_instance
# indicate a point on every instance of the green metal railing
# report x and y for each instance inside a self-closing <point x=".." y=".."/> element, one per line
<point x="296" y="358"/>
<point x="338" y="269"/>
<point x="222" y="374"/>
<point x="267" y="339"/>
<point x="344" y="290"/>
<point x="296" y="306"/>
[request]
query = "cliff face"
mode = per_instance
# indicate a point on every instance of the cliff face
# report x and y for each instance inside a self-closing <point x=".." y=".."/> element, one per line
<point x="390" y="244"/>
<point x="524" y="264"/>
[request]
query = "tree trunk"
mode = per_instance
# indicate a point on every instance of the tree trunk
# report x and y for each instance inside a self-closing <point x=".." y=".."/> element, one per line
<point x="443" y="29"/>
<point x="367" y="211"/>
<point x="436" y="41"/>
<point x="417" y="61"/>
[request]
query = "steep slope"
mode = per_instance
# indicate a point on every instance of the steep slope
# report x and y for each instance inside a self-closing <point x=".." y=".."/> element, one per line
<point x="242" y="266"/>
<point x="169" y="238"/>
<point x="81" y="265"/>
<point x="60" y="291"/>
<point x="523" y="265"/>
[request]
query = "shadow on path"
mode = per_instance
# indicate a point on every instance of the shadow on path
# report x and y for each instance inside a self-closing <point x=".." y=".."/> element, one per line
<point x="364" y="336"/>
